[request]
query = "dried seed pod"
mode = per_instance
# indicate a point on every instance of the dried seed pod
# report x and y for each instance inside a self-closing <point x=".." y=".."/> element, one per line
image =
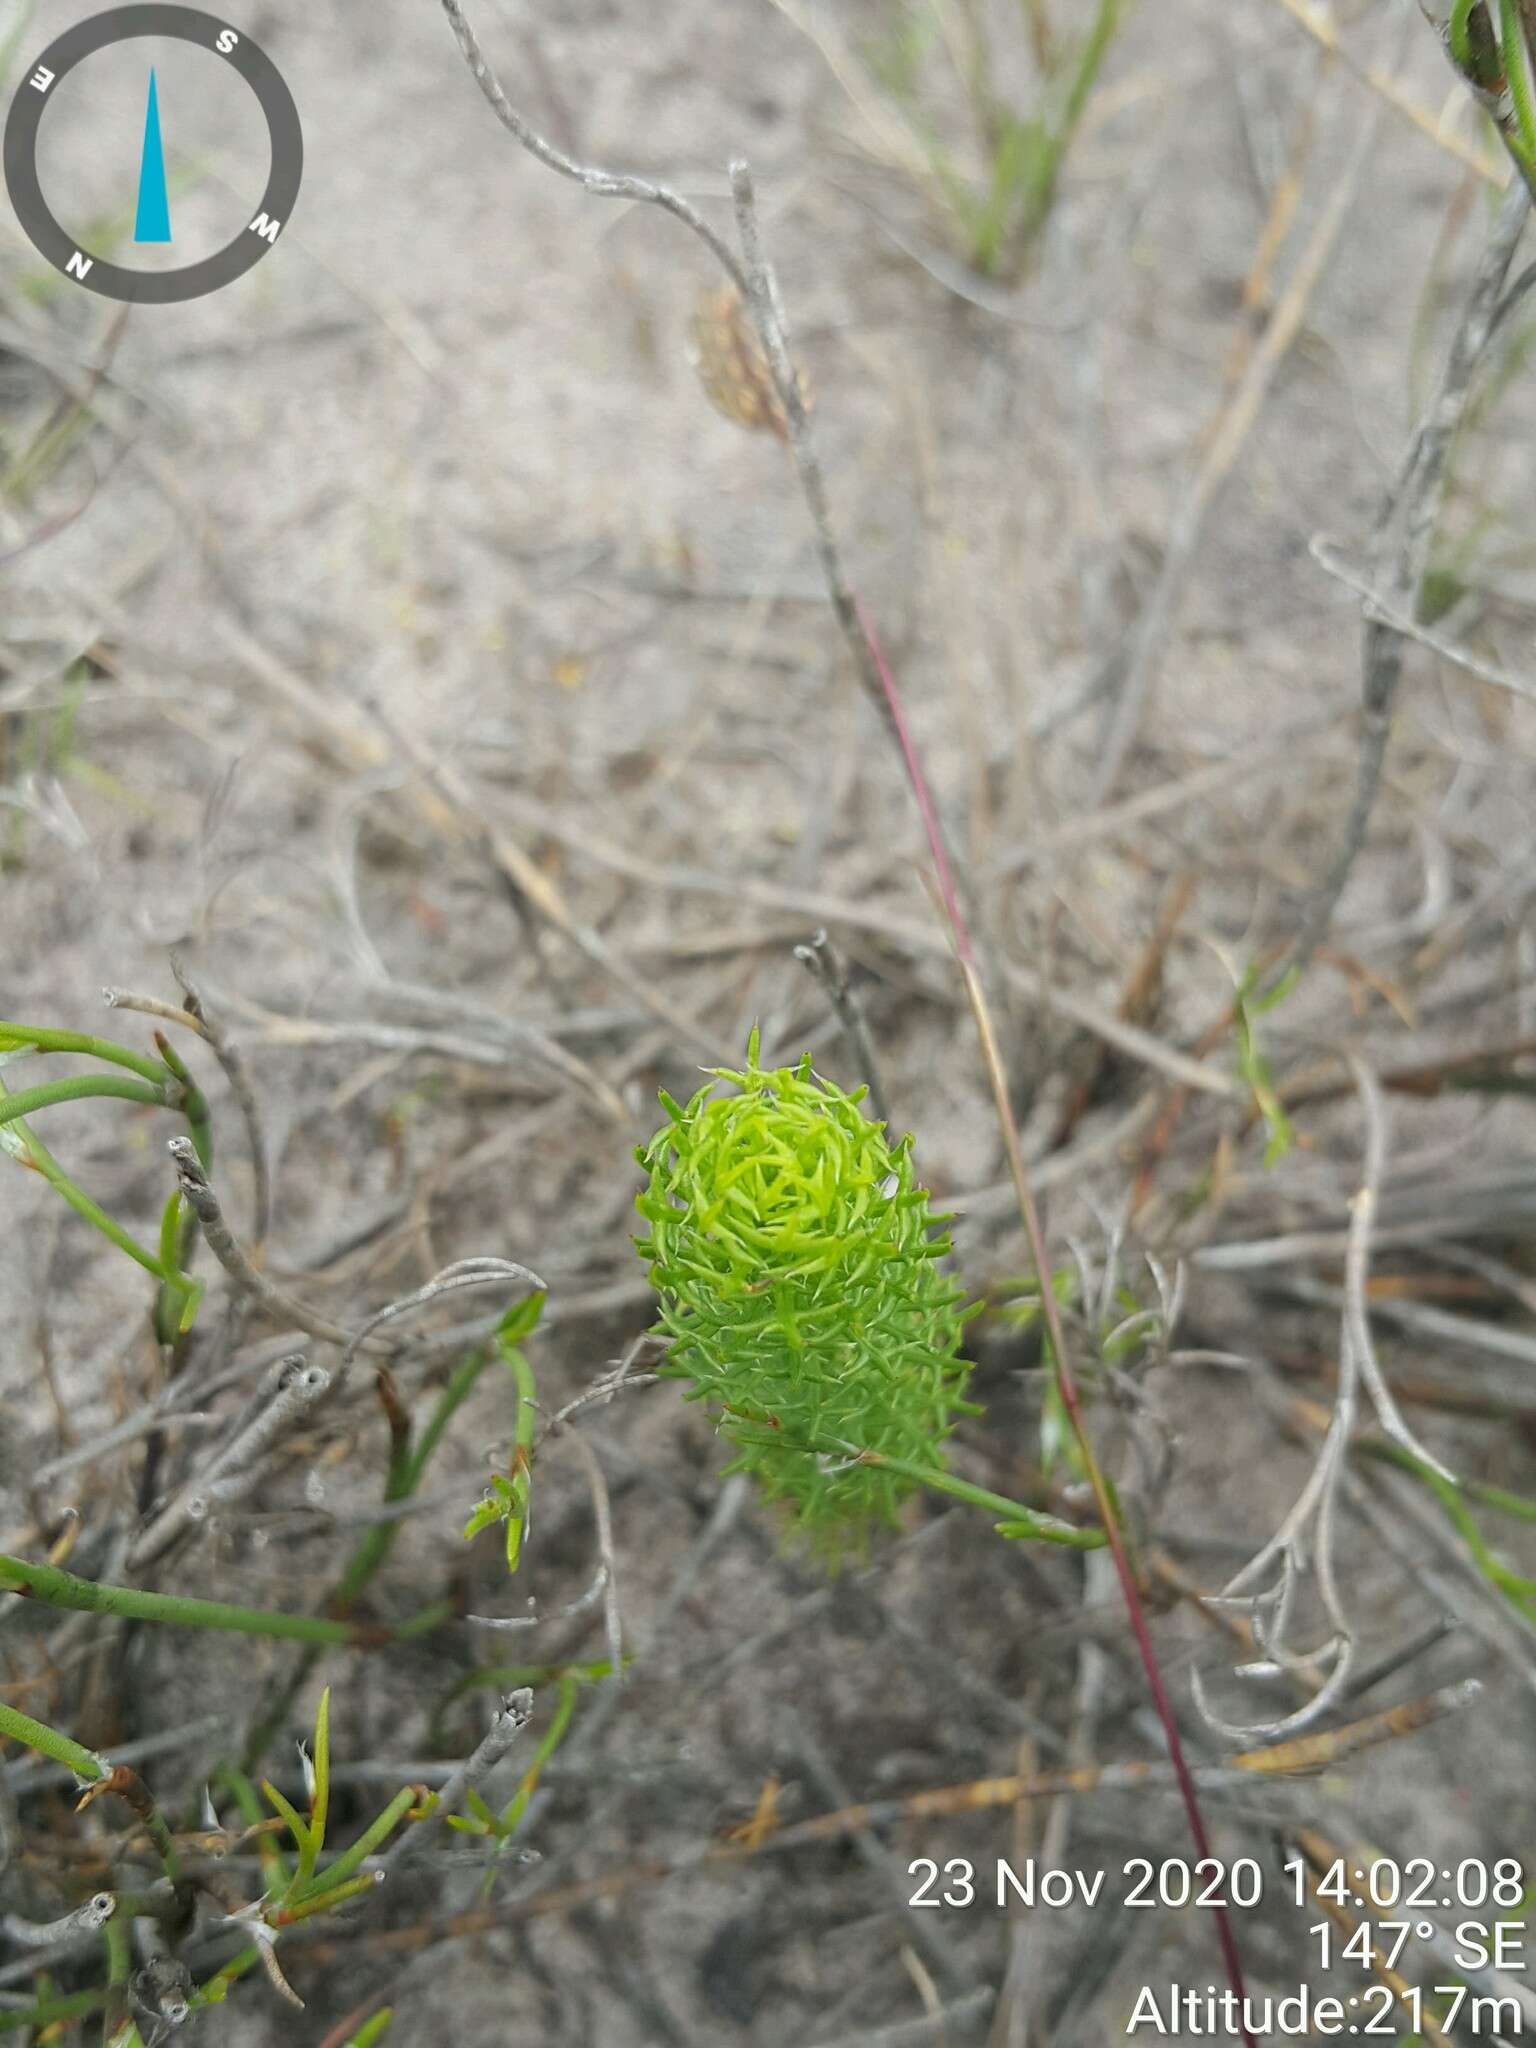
<point x="729" y="360"/>
<point x="797" y="1265"/>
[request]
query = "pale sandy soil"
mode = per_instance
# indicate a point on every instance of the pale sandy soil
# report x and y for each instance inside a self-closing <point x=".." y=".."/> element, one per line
<point x="436" y="483"/>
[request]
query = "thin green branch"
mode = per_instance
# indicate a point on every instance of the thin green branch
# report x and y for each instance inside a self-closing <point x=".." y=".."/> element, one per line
<point x="117" y="2030"/>
<point x="123" y="1780"/>
<point x="407" y="1465"/>
<point x="373" y="1837"/>
<point x="86" y="1596"/>
<point x="39" y="1157"/>
<point x="373" y="2029"/>
<point x="217" y="1989"/>
<point x="315" y="1902"/>
<point x="194" y="1104"/>
<point x="554" y="1735"/>
<point x="1517" y="1589"/>
<point x="74" y="2006"/>
<point x="320" y="1798"/>
<point x="27" y="1101"/>
<point x="165" y="1084"/>
<point x="87" y="1766"/>
<point x="20" y="1037"/>
<point x="1459" y="36"/>
<point x="455" y="1393"/>
<point x="1517" y="74"/>
<point x="522" y="1449"/>
<point x="1015" y="1518"/>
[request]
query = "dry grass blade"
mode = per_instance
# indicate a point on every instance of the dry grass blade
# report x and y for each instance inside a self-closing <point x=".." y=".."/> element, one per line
<point x="1227" y="439"/>
<point x="1405" y="532"/>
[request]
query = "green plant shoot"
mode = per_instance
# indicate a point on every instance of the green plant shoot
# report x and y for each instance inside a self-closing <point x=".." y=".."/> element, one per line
<point x="1247" y="1004"/>
<point x="508" y="1500"/>
<point x="801" y="1287"/>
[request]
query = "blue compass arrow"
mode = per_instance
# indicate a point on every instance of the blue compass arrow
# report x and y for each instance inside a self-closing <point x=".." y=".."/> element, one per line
<point x="153" y="221"/>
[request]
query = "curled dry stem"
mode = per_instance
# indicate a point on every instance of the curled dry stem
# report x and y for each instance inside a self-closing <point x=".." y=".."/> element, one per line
<point x="1305" y="1541"/>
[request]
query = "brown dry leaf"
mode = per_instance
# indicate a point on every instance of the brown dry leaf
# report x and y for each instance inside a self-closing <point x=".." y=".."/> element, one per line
<point x="729" y="360"/>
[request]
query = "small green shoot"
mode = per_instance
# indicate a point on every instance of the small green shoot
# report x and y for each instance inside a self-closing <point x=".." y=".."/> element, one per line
<point x="508" y="1500"/>
<point x="372" y="2030"/>
<point x="802" y="1290"/>
<point x="1248" y="1003"/>
<point x="1519" y="1591"/>
<point x="501" y="1828"/>
<point x="999" y="190"/>
<point x="163" y="1083"/>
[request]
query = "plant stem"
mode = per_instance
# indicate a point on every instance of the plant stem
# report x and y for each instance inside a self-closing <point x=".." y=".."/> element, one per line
<point x="375" y="1543"/>
<point x="123" y="1780"/>
<point x="19" y="1727"/>
<point x="1061" y="1366"/>
<point x="28" y="1100"/>
<point x="86" y="1596"/>
<point x="1517" y="59"/>
<point x="323" y="1902"/>
<point x="372" y="1837"/>
<point x="1519" y="1591"/>
<point x="1047" y="1528"/>
<point x="14" y="1036"/>
<point x="1458" y="36"/>
<point x="194" y="1104"/>
<point x="404" y="1475"/>
<point x="522" y="1448"/>
<point x="75" y="2005"/>
<point x="216" y="1990"/>
<point x="43" y="1161"/>
<point x="119" y="1963"/>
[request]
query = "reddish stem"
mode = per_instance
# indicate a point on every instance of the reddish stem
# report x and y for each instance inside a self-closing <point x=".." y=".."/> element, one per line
<point x="1065" y="1378"/>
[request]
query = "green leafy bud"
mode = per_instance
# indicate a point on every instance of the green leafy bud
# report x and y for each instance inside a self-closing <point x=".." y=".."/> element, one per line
<point x="798" y="1268"/>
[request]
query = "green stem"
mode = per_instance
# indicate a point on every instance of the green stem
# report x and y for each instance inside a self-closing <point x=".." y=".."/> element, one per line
<point x="1499" y="1497"/>
<point x="406" y="1468"/>
<point x="1519" y="1591"/>
<point x="194" y="1104"/>
<point x="1022" y="1521"/>
<point x="119" y="1963"/>
<point x="91" y="1212"/>
<point x="554" y="1735"/>
<point x="405" y="1473"/>
<point x="14" y="1036"/>
<point x="28" y="1100"/>
<point x="86" y="1596"/>
<point x="74" y="2006"/>
<point x="216" y="1990"/>
<point x="1090" y="62"/>
<point x="158" y="1829"/>
<point x="506" y="1678"/>
<point x="274" y="1865"/>
<point x="1459" y="37"/>
<point x="347" y="1862"/>
<point x="323" y="1902"/>
<point x="372" y="2030"/>
<point x="1517" y="60"/>
<point x="19" y="1727"/>
<point x="454" y="1394"/>
<point x="522" y="1449"/>
<point x="176" y="1302"/>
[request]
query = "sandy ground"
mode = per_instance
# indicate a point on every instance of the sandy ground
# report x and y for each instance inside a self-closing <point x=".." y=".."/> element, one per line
<point x="434" y="492"/>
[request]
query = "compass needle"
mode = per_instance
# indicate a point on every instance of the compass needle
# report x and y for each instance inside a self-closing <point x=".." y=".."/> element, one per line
<point x="201" y="103"/>
<point x="152" y="222"/>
